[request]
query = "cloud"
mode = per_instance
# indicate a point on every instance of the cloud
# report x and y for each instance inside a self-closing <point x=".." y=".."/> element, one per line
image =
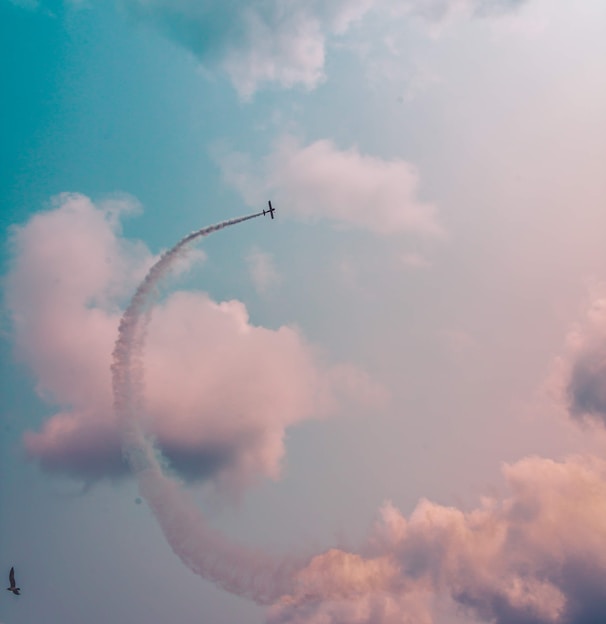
<point x="262" y="270"/>
<point x="538" y="556"/>
<point x="211" y="403"/>
<point x="587" y="387"/>
<point x="320" y="181"/>
<point x="578" y="378"/>
<point x="587" y="381"/>
<point x="338" y="587"/>
<point x="258" y="42"/>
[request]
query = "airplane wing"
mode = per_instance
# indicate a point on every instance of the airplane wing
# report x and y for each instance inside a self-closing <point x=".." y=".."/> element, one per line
<point x="11" y="577"/>
<point x="270" y="210"/>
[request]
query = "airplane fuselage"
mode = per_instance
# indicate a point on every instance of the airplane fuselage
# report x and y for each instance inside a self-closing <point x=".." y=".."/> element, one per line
<point x="270" y="211"/>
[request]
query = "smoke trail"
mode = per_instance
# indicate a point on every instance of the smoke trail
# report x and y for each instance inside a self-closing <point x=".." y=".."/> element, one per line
<point x="204" y="550"/>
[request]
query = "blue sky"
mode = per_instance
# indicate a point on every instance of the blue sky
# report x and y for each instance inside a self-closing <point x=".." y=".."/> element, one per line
<point x="423" y="321"/>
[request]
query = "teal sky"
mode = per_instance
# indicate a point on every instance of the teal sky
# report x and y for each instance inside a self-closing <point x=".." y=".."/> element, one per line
<point x="427" y="307"/>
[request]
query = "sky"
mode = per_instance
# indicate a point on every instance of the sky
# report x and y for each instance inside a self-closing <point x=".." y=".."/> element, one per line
<point x="387" y="405"/>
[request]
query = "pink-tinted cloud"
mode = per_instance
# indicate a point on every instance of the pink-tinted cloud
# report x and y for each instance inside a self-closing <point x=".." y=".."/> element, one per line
<point x="320" y="181"/>
<point x="210" y="397"/>
<point x="538" y="556"/>
<point x="338" y="587"/>
<point x="578" y="379"/>
<point x="586" y="388"/>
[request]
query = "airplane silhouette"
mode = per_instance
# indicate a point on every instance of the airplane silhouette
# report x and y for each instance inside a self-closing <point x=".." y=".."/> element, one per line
<point x="13" y="588"/>
<point x="270" y="211"/>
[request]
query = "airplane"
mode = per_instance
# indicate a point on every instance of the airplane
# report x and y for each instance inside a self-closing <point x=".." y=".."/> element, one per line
<point x="13" y="588"/>
<point x="270" y="211"/>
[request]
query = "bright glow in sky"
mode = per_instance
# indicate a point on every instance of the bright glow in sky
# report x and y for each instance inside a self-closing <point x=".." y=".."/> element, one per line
<point x="388" y="405"/>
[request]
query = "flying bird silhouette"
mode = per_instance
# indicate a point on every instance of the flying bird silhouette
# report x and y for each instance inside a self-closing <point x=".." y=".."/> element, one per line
<point x="13" y="588"/>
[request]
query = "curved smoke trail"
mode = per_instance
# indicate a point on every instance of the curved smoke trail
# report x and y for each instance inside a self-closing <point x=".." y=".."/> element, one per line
<point x="204" y="550"/>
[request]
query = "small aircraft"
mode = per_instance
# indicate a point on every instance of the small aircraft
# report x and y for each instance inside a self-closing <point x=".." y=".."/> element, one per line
<point x="13" y="588"/>
<point x="270" y="211"/>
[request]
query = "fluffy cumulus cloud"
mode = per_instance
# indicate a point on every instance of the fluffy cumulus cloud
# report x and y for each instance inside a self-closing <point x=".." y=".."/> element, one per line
<point x="210" y="400"/>
<point x="281" y="41"/>
<point x="321" y="181"/>
<point x="535" y="557"/>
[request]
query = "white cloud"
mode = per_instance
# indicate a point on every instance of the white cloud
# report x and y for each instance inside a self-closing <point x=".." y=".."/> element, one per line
<point x="577" y="380"/>
<point x="259" y="41"/>
<point x="320" y="181"/>
<point x="281" y="41"/>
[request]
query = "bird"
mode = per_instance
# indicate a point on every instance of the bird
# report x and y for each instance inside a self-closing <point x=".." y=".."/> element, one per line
<point x="13" y="588"/>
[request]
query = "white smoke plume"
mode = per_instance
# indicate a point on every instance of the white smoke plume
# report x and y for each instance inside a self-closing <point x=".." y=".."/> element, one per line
<point x="205" y="551"/>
